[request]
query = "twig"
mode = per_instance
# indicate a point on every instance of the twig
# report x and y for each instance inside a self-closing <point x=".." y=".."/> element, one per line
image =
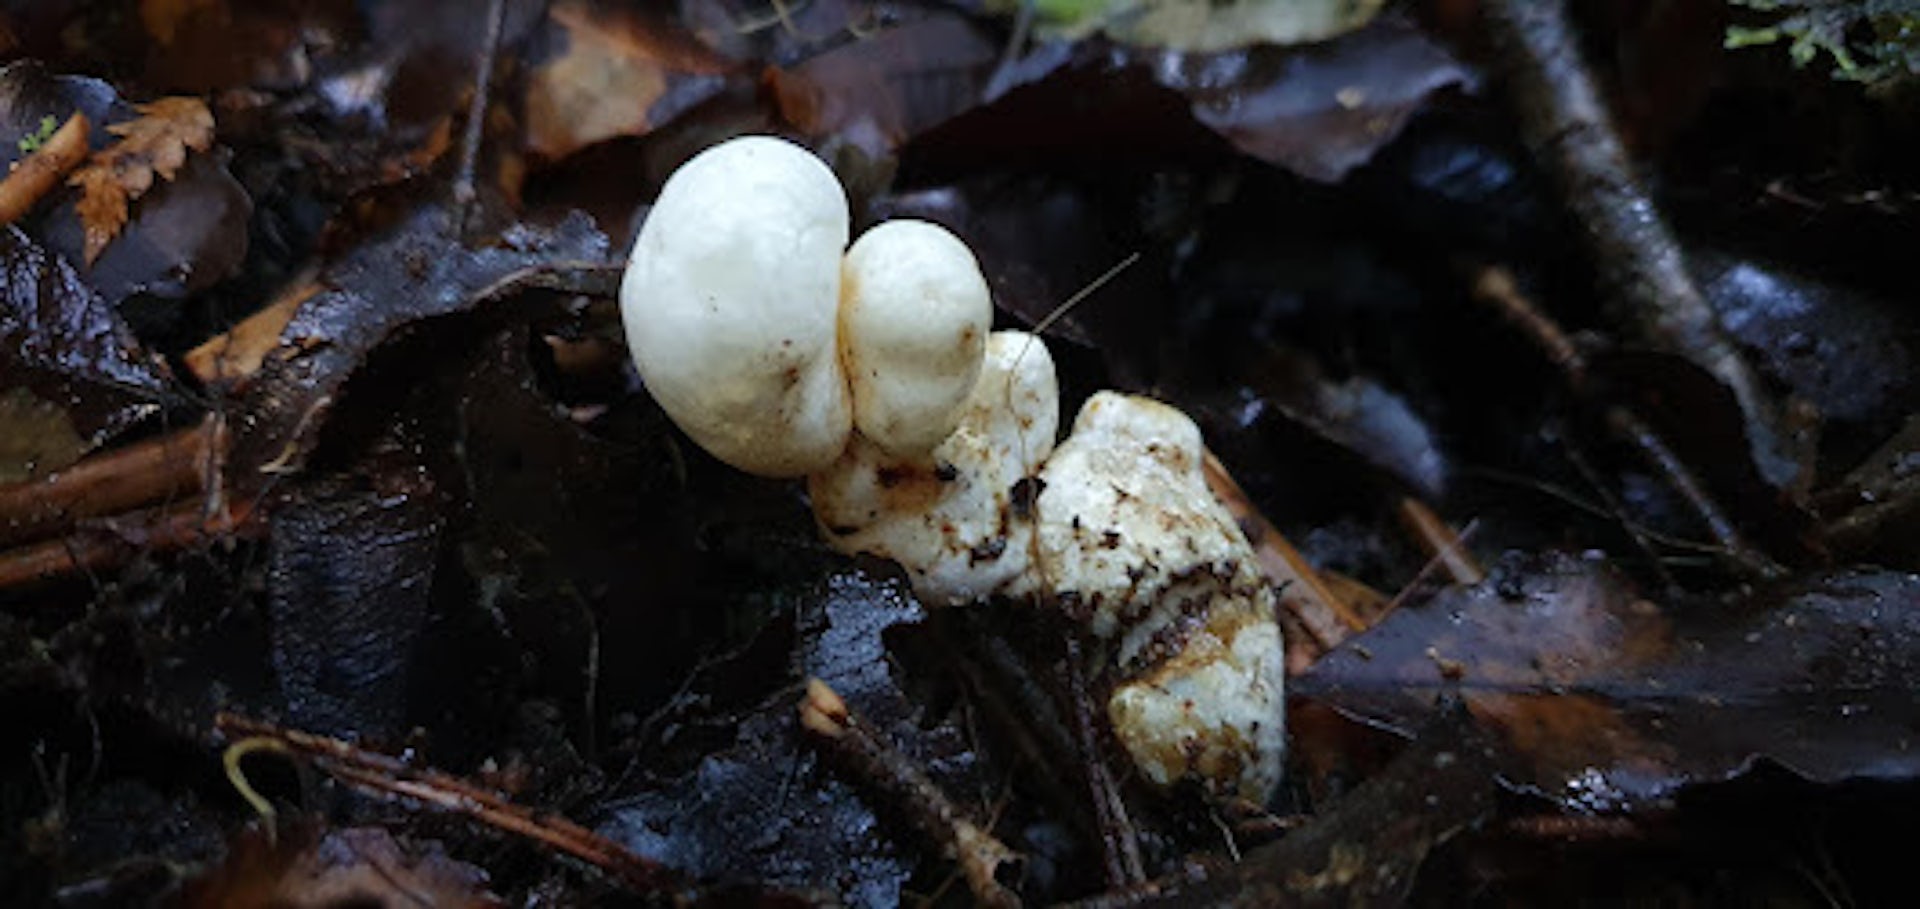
<point x="1119" y="842"/>
<point x="1615" y="511"/>
<point x="159" y="469"/>
<point x="387" y="774"/>
<point x="1562" y="116"/>
<point x="93" y="549"/>
<point x="1576" y="828"/>
<point x="1323" y="613"/>
<point x="1495" y="286"/>
<point x="988" y="865"/>
<point x="1440" y="542"/>
<point x="1000" y="682"/>
<point x="41" y="171"/>
<point x="475" y="131"/>
<point x="592" y="279"/>
<point x="1434" y="563"/>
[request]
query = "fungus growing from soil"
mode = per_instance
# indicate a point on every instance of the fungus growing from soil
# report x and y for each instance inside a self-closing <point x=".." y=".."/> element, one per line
<point x="928" y="442"/>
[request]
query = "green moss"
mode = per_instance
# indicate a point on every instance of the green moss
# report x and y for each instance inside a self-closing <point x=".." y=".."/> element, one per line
<point x="32" y="141"/>
<point x="1876" y="42"/>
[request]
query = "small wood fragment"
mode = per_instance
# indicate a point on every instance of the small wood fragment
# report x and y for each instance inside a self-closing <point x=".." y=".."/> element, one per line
<point x="1307" y="602"/>
<point x="1440" y="542"/>
<point x="39" y="172"/>
<point x="228" y="360"/>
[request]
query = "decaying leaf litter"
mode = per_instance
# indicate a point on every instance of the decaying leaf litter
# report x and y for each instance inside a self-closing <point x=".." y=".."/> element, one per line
<point x="1583" y="466"/>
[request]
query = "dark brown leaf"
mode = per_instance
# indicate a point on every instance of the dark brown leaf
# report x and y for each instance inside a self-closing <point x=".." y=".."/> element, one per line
<point x="880" y="91"/>
<point x="414" y="272"/>
<point x="1609" y="701"/>
<point x="1318" y="111"/>
<point x="350" y="574"/>
<point x="355" y="866"/>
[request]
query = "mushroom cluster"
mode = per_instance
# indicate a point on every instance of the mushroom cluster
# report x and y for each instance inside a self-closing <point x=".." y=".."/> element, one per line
<point x="929" y="442"/>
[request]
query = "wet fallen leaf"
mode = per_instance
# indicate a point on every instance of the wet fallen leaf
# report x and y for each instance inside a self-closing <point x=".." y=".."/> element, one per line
<point x="415" y="271"/>
<point x="354" y="866"/>
<point x="1317" y="111"/>
<point x="765" y="808"/>
<point x="36" y="436"/>
<point x="350" y="574"/>
<point x="1609" y="702"/>
<point x="1374" y="423"/>
<point x="155" y="145"/>
<point x="878" y="92"/>
<point x="613" y="72"/>
<point x="1840" y="350"/>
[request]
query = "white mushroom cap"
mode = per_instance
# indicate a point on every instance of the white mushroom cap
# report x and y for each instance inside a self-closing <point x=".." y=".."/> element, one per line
<point x="914" y="316"/>
<point x="952" y="518"/>
<point x="731" y="302"/>
<point x="1131" y="539"/>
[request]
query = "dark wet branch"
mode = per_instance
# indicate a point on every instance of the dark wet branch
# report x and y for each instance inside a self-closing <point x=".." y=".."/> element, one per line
<point x="164" y="468"/>
<point x="1119" y="841"/>
<point x="1563" y="117"/>
<point x="1495" y="287"/>
<point x="389" y="775"/>
<point x="470" y="141"/>
<point x="893" y="780"/>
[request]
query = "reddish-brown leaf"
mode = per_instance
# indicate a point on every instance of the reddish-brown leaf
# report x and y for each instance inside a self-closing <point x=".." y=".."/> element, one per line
<point x="154" y="144"/>
<point x="613" y="72"/>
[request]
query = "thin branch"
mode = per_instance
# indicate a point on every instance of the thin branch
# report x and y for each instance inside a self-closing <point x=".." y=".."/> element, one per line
<point x="120" y="539"/>
<point x="1495" y="286"/>
<point x="1441" y="542"/>
<point x="389" y="775"/>
<point x="1563" y="117"/>
<point x="1119" y="842"/>
<point x="1434" y="563"/>
<point x="38" y="173"/>
<point x="464" y="191"/>
<point x="889" y="776"/>
<point x="159" y="469"/>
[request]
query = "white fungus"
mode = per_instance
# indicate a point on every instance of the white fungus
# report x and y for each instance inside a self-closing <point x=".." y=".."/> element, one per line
<point x="731" y="300"/>
<point x="929" y="442"/>
<point x="953" y="518"/>
<point x="1134" y="544"/>
<point x="914" y="316"/>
